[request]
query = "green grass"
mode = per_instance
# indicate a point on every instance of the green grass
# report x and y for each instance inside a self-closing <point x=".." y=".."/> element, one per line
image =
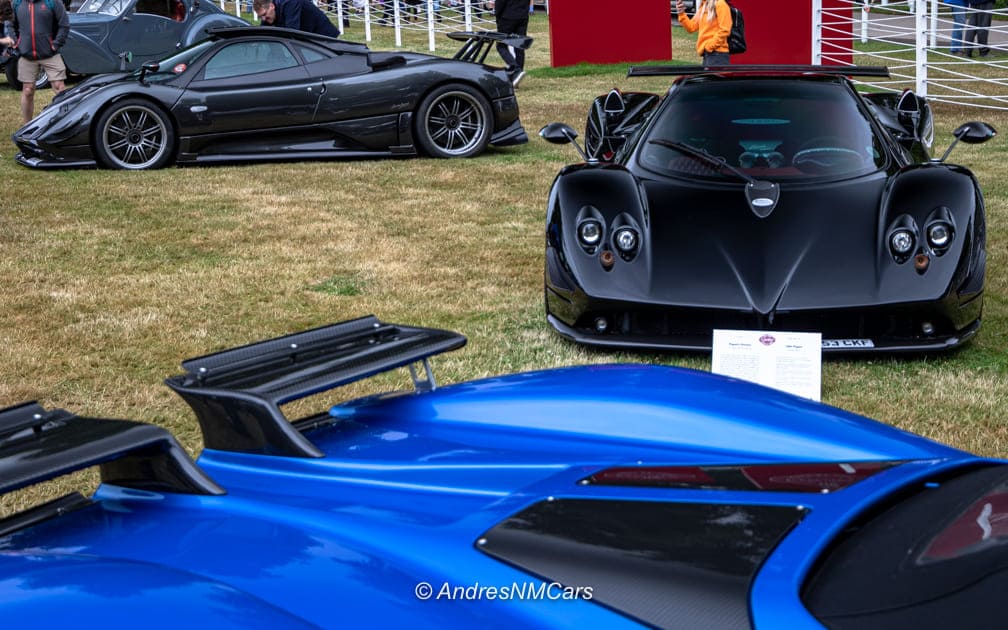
<point x="108" y="280"/>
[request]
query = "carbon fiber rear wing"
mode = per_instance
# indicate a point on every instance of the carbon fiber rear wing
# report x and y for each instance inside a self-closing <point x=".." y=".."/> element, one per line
<point x="479" y="43"/>
<point x="849" y="71"/>
<point x="37" y="445"/>
<point x="236" y="393"/>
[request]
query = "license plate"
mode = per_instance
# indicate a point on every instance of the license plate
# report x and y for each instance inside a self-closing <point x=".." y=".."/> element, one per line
<point x="847" y="343"/>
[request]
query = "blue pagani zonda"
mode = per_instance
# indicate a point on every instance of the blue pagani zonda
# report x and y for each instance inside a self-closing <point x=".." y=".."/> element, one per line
<point x="612" y="496"/>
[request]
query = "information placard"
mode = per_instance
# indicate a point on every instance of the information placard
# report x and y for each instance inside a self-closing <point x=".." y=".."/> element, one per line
<point x="788" y="361"/>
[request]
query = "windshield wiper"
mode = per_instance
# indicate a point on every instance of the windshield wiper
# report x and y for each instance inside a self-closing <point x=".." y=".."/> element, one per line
<point x="761" y="195"/>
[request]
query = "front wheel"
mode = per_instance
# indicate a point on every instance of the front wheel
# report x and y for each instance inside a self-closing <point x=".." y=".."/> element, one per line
<point x="453" y="121"/>
<point x="134" y="134"/>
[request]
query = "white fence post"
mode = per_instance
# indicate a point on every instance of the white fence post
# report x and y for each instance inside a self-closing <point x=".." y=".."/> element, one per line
<point x="396" y="22"/>
<point x="817" y="18"/>
<point x="468" y="15"/>
<point x="430" y="24"/>
<point x="367" y="21"/>
<point x="921" y="38"/>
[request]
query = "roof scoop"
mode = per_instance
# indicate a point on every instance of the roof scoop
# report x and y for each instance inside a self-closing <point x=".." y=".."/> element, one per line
<point x="762" y="197"/>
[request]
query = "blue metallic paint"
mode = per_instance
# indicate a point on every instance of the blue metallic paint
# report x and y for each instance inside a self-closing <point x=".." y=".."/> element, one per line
<point x="409" y="482"/>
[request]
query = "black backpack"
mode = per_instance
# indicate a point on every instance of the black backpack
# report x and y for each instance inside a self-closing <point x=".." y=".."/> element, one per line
<point x="736" y="38"/>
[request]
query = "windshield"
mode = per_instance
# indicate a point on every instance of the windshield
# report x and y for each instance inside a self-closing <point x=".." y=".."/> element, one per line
<point x="767" y="128"/>
<point x="106" y="7"/>
<point x="178" y="63"/>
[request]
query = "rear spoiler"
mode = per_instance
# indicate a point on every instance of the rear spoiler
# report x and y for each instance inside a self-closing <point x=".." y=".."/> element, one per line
<point x="478" y="43"/>
<point x="37" y="445"/>
<point x="236" y="393"/>
<point x="849" y="71"/>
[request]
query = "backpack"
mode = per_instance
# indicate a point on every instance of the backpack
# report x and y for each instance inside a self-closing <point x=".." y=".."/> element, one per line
<point x="736" y="38"/>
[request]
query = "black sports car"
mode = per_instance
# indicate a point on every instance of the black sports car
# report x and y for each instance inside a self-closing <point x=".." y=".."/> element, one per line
<point x="764" y="198"/>
<point x="255" y="93"/>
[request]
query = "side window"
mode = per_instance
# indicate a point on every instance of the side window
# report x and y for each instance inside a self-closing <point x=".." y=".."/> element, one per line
<point x="248" y="58"/>
<point x="160" y="8"/>
<point x="310" y="54"/>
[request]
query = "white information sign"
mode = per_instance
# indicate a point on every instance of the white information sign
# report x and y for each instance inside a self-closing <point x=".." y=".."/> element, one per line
<point x="788" y="361"/>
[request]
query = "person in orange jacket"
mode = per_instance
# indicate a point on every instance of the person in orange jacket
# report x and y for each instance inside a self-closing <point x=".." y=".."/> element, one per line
<point x="713" y="20"/>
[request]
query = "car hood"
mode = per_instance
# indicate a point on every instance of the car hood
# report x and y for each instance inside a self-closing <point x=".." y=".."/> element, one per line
<point x="822" y="247"/>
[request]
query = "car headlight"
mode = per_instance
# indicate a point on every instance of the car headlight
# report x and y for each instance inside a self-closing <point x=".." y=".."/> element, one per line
<point x="590" y="233"/>
<point x="626" y="240"/>
<point x="902" y="241"/>
<point x="939" y="235"/>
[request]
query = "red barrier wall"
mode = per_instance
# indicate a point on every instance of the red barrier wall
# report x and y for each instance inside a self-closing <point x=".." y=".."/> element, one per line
<point x="594" y="31"/>
<point x="604" y="31"/>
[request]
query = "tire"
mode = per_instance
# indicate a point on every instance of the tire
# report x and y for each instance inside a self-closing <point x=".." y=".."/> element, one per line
<point x="10" y="70"/>
<point x="134" y="134"/>
<point x="453" y="121"/>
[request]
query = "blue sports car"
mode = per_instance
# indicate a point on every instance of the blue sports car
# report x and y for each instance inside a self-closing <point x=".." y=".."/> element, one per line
<point x="612" y="496"/>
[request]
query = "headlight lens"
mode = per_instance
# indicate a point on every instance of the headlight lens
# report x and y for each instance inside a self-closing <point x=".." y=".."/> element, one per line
<point x="901" y="241"/>
<point x="626" y="240"/>
<point x="590" y="233"/>
<point x="939" y="235"/>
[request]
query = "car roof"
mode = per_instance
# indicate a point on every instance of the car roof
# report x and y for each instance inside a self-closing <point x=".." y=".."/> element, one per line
<point x="336" y="45"/>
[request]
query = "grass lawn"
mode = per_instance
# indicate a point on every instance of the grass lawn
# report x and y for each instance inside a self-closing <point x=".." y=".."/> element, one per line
<point x="109" y="279"/>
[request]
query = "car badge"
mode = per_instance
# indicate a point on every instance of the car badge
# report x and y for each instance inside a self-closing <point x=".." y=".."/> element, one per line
<point x="767" y="340"/>
<point x="179" y="68"/>
<point x="762" y="197"/>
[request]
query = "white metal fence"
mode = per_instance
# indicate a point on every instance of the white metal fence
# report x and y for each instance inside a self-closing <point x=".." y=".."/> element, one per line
<point x="915" y="40"/>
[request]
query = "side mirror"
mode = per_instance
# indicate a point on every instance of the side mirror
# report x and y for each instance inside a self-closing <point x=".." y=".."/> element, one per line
<point x="973" y="132"/>
<point x="150" y="66"/>
<point x="560" y="133"/>
<point x="557" y="133"/>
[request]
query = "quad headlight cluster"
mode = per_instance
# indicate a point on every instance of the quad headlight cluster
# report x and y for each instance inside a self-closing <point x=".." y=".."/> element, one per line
<point x="906" y="239"/>
<point x="622" y="235"/>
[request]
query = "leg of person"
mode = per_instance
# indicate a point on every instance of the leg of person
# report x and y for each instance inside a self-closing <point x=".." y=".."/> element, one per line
<point x="27" y="75"/>
<point x="56" y="70"/>
<point x="972" y="30"/>
<point x="983" y="25"/>
<point x="958" y="22"/>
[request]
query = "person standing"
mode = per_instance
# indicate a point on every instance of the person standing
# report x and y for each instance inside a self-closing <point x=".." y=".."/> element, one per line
<point x="713" y="20"/>
<point x="512" y="17"/>
<point x="41" y="28"/>
<point x="958" y="8"/>
<point x="301" y="15"/>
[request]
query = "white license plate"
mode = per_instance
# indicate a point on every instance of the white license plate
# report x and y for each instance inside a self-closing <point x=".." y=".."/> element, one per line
<point x="847" y="343"/>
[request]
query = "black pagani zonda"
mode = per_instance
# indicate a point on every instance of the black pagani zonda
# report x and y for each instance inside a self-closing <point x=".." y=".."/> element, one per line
<point x="764" y="198"/>
<point x="255" y="93"/>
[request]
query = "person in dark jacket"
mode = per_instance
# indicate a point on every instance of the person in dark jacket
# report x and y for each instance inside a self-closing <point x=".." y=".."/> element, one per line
<point x="512" y="17"/>
<point x="302" y="15"/>
<point x="41" y="28"/>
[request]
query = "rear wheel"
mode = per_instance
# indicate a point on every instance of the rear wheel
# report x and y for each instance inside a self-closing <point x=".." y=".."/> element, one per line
<point x="453" y="121"/>
<point x="134" y="134"/>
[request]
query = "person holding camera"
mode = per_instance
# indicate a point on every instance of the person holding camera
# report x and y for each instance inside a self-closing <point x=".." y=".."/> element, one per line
<point x="713" y="21"/>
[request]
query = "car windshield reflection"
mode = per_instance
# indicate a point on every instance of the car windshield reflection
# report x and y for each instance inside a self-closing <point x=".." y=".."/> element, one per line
<point x="105" y="7"/>
<point x="770" y="129"/>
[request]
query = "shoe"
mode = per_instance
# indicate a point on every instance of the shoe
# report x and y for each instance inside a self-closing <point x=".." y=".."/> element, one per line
<point x="517" y="77"/>
<point x="969" y="53"/>
<point x="984" y="52"/>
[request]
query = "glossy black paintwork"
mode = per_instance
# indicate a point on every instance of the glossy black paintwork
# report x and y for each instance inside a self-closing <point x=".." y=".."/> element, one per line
<point x="820" y="262"/>
<point x="356" y="103"/>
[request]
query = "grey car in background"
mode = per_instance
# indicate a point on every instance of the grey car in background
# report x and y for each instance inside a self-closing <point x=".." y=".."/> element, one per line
<point x="117" y="35"/>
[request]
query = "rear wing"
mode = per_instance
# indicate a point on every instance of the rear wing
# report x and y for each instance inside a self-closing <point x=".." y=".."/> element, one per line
<point x="236" y="393"/>
<point x="478" y="43"/>
<point x="848" y="71"/>
<point x="37" y="445"/>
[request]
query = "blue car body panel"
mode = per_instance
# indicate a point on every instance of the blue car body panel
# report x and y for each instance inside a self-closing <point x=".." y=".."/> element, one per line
<point x="408" y="485"/>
